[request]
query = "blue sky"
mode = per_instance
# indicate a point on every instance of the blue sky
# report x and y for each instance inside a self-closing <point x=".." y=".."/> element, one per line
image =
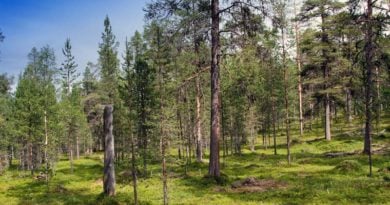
<point x="36" y="23"/>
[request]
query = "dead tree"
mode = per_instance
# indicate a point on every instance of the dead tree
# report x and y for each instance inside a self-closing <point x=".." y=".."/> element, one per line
<point x="109" y="153"/>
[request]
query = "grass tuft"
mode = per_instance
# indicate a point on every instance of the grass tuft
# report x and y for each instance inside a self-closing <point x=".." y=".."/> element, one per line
<point x="348" y="166"/>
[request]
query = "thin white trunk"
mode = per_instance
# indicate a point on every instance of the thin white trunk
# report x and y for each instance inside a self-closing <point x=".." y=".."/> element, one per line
<point x="298" y="61"/>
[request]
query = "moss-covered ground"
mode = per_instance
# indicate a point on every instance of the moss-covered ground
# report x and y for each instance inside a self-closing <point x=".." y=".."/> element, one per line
<point x="312" y="178"/>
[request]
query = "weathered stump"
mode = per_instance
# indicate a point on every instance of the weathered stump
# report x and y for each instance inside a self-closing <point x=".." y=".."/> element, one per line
<point x="109" y="153"/>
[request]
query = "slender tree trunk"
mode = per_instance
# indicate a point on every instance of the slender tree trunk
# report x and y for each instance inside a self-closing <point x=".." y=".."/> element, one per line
<point x="231" y="134"/>
<point x="273" y="120"/>
<point x="162" y="127"/>
<point x="109" y="153"/>
<point x="223" y="133"/>
<point x="145" y="150"/>
<point x="164" y="170"/>
<point x="77" y="147"/>
<point x="325" y="40"/>
<point x="298" y="61"/>
<point x="252" y="128"/>
<point x="214" y="168"/>
<point x="31" y="163"/>
<point x="378" y="105"/>
<point x="180" y="150"/>
<point x="198" y="121"/>
<point x="368" y="55"/>
<point x="188" y="129"/>
<point x="134" y="170"/>
<point x="198" y="113"/>
<point x="348" y="105"/>
<point x="10" y="155"/>
<point x="311" y="115"/>
<point x="45" y="151"/>
<point x="327" y="117"/>
<point x="70" y="150"/>
<point x="286" y="98"/>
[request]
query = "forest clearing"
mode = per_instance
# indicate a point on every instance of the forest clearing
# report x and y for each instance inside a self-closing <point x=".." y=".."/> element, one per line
<point x="313" y="178"/>
<point x="195" y="102"/>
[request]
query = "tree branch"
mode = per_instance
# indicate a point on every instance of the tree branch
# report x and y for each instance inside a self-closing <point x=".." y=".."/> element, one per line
<point x="185" y="81"/>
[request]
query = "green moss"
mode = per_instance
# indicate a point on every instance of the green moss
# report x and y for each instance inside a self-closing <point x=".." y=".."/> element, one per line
<point x="312" y="178"/>
<point x="348" y="166"/>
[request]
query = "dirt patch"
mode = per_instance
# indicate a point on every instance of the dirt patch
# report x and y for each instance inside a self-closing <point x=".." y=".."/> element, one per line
<point x="252" y="184"/>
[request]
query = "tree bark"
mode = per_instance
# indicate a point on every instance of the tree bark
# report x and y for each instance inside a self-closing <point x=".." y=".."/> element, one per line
<point x="45" y="150"/>
<point x="70" y="150"/>
<point x="77" y="147"/>
<point x="162" y="125"/>
<point x="378" y="105"/>
<point x="252" y="128"/>
<point x="368" y="55"/>
<point x="178" y="114"/>
<point x="198" y="114"/>
<point x="198" y="121"/>
<point x="109" y="153"/>
<point x="298" y="61"/>
<point x="134" y="171"/>
<point x="214" y="168"/>
<point x="287" y="120"/>
<point x="30" y="153"/>
<point x="348" y="105"/>
<point x="324" y="66"/>
<point x="327" y="117"/>
<point x="273" y="120"/>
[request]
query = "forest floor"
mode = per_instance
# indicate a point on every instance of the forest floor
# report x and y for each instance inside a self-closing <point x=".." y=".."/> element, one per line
<point x="321" y="172"/>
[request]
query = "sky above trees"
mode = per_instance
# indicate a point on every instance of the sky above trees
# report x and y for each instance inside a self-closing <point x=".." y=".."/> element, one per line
<point x="28" y="23"/>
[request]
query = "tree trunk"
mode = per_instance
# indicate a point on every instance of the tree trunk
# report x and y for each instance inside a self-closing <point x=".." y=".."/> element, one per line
<point x="214" y="168"/>
<point x="30" y="158"/>
<point x="231" y="134"/>
<point x="298" y="61"/>
<point x="378" y="105"/>
<point x="134" y="171"/>
<point x="162" y="125"/>
<point x="198" y="121"/>
<point x="198" y="114"/>
<point x="327" y="117"/>
<point x="109" y="153"/>
<point x="348" y="105"/>
<point x="45" y="150"/>
<point x="324" y="66"/>
<point x="252" y="128"/>
<point x="368" y="51"/>
<point x="286" y="98"/>
<point x="164" y="170"/>
<point x="77" y="147"/>
<point x="311" y="115"/>
<point x="273" y="120"/>
<point x="10" y="155"/>
<point x="180" y="149"/>
<point x="223" y="133"/>
<point x="70" y="151"/>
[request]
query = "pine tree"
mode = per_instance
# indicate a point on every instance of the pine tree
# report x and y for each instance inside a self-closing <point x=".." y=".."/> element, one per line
<point x="68" y="69"/>
<point x="69" y="75"/>
<point x="89" y="81"/>
<point x="322" y="9"/>
<point x="35" y="101"/>
<point x="109" y="64"/>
